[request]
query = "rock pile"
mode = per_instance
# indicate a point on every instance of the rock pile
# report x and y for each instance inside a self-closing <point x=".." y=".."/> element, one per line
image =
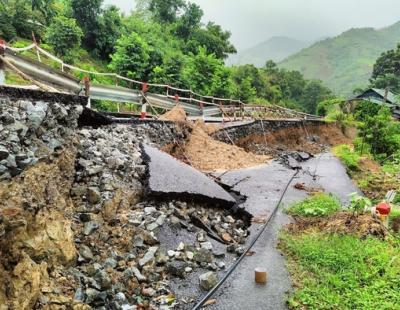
<point x="31" y="130"/>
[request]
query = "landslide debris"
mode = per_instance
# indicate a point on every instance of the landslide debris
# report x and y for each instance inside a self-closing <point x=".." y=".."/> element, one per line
<point x="203" y="152"/>
<point x="78" y="233"/>
<point x="177" y="114"/>
<point x="313" y="139"/>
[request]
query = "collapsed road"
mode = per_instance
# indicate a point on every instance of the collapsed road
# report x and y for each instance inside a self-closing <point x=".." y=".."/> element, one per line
<point x="111" y="222"/>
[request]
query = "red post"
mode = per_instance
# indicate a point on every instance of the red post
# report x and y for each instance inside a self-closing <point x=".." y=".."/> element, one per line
<point x="145" y="87"/>
<point x="86" y="81"/>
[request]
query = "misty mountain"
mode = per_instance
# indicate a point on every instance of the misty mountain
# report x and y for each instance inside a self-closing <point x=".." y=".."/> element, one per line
<point x="345" y="62"/>
<point x="276" y="48"/>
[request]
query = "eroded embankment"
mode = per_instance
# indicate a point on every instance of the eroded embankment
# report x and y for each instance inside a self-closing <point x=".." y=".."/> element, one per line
<point x="274" y="137"/>
<point x="77" y="230"/>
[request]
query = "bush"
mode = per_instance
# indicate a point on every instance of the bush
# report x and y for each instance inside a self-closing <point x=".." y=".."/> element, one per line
<point x="348" y="156"/>
<point x="318" y="205"/>
<point x="65" y="35"/>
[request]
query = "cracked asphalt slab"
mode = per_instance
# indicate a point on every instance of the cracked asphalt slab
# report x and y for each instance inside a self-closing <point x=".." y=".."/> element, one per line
<point x="263" y="187"/>
<point x="169" y="177"/>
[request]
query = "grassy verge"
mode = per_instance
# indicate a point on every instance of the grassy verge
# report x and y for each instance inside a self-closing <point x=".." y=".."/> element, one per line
<point x="373" y="179"/>
<point x="318" y="205"/>
<point x="342" y="272"/>
<point x="331" y="266"/>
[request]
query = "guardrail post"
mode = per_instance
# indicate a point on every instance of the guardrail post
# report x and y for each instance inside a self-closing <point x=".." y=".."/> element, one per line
<point x="143" y="112"/>
<point x="2" y="67"/>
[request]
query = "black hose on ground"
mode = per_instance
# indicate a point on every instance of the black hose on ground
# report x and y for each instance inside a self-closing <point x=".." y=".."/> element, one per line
<point x="236" y="264"/>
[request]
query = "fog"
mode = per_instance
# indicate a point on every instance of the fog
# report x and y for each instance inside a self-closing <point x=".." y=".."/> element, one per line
<point x="254" y="21"/>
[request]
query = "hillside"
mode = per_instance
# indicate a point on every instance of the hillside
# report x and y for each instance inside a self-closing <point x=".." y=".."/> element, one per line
<point x="276" y="49"/>
<point x="345" y="62"/>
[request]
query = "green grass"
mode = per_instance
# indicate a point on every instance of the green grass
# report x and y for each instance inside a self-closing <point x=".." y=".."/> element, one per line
<point x="348" y="156"/>
<point x="320" y="204"/>
<point x="342" y="272"/>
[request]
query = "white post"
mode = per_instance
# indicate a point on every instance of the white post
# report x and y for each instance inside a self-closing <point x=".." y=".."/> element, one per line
<point x="2" y="74"/>
<point x="89" y="105"/>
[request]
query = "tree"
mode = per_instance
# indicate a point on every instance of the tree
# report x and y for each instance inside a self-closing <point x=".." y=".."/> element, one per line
<point x="107" y="33"/>
<point x="314" y="92"/>
<point x="165" y="11"/>
<point x="206" y="74"/>
<point x="64" y="35"/>
<point x="382" y="133"/>
<point x="86" y="13"/>
<point x="386" y="71"/>
<point x="189" y="22"/>
<point x="132" y="57"/>
<point x="214" y="39"/>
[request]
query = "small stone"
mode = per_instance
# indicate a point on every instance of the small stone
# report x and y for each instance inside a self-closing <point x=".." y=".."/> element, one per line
<point x="3" y="152"/>
<point x="229" y="219"/>
<point x="176" y="268"/>
<point x="201" y="237"/>
<point x="161" y="219"/>
<point x="231" y="248"/>
<point x="90" y="227"/>
<point x="103" y="279"/>
<point x="79" y="295"/>
<point x="175" y="222"/>
<point x="148" y="292"/>
<point x="239" y="250"/>
<point x="86" y="252"/>
<point x="138" y="241"/>
<point x="221" y="265"/>
<point x="161" y="257"/>
<point x="150" y="210"/>
<point x="208" y="280"/>
<point x="110" y="263"/>
<point x="171" y="253"/>
<point x="218" y="254"/>
<point x="181" y="246"/>
<point x="85" y="217"/>
<point x="120" y="298"/>
<point x="226" y="237"/>
<point x="189" y="255"/>
<point x="137" y="274"/>
<point x="152" y="226"/>
<point x="188" y="269"/>
<point x="93" y="195"/>
<point x="206" y="245"/>
<point x="203" y="256"/>
<point x="148" y="256"/>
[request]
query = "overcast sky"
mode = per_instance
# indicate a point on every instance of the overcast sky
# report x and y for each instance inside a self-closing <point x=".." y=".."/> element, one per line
<point x="254" y="21"/>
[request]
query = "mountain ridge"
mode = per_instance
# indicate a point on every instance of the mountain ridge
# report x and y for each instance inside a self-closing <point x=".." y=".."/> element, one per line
<point x="344" y="62"/>
<point x="276" y="48"/>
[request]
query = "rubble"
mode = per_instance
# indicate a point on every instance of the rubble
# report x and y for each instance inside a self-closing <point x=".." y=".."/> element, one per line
<point x="31" y="130"/>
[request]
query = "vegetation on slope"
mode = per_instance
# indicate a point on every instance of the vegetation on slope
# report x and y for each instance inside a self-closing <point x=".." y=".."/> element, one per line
<point x="160" y="41"/>
<point x="345" y="62"/>
<point x="340" y="259"/>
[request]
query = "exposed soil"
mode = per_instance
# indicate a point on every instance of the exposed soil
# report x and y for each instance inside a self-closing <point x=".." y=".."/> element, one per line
<point x="307" y="138"/>
<point x="177" y="114"/>
<point x="340" y="223"/>
<point x="207" y="154"/>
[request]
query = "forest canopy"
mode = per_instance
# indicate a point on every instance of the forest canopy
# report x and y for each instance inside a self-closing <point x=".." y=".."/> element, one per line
<point x="160" y="41"/>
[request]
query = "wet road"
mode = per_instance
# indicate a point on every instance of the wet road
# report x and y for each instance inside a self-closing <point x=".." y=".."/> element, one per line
<point x="263" y="186"/>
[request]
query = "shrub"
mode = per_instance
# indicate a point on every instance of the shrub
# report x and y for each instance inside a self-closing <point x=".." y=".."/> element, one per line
<point x="318" y="205"/>
<point x="64" y="35"/>
<point x="348" y="156"/>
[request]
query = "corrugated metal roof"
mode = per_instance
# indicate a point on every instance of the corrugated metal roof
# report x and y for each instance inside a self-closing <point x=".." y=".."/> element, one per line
<point x="391" y="97"/>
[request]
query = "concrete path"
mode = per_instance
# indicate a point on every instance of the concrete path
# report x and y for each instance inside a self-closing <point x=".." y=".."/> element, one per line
<point x="263" y="186"/>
